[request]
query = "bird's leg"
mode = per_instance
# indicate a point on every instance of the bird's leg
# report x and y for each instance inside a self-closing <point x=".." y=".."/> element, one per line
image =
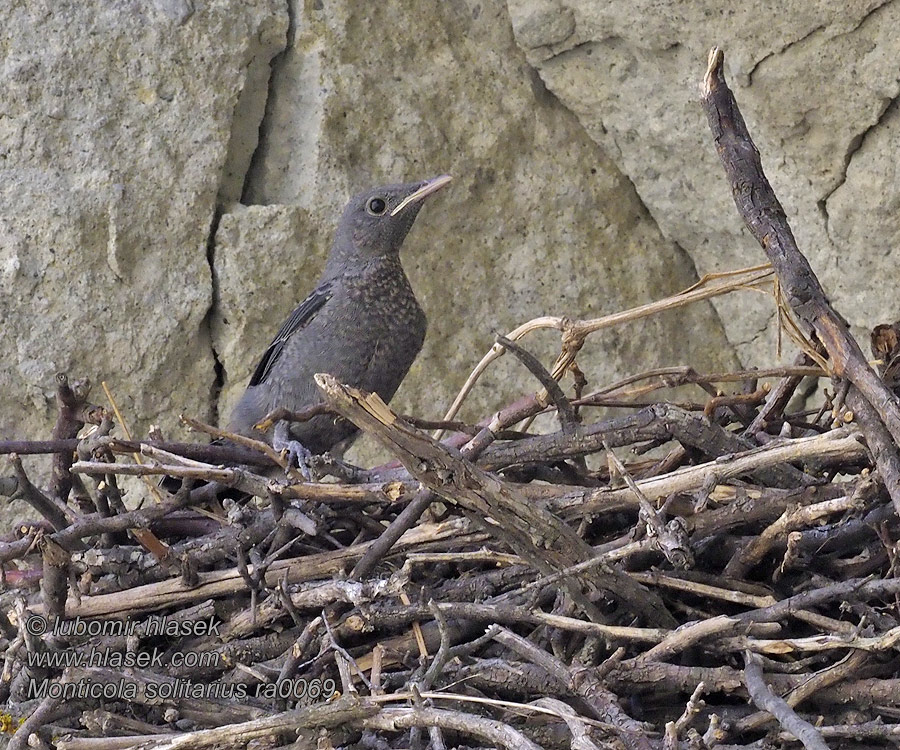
<point x="297" y="453"/>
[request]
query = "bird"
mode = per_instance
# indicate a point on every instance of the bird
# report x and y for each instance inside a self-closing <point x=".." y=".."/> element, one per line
<point x="361" y="323"/>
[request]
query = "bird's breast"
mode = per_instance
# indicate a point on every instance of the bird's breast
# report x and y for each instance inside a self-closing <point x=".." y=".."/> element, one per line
<point x="384" y="302"/>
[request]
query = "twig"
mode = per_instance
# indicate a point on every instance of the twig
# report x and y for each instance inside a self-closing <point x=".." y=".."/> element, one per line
<point x="691" y="709"/>
<point x="606" y="708"/>
<point x="487" y="730"/>
<point x="841" y="445"/>
<point x="276" y="415"/>
<point x="574" y="332"/>
<point x="257" y="445"/>
<point x="567" y="417"/>
<point x="40" y="716"/>
<point x="762" y="696"/>
<point x="49" y="507"/>
<point x="844" y="669"/>
<point x="671" y="541"/>
<point x="69" y="421"/>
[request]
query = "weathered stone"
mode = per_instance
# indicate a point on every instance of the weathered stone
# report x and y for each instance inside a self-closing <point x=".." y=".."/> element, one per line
<point x="115" y="125"/>
<point x="550" y="25"/>
<point x="863" y="222"/>
<point x="814" y="80"/>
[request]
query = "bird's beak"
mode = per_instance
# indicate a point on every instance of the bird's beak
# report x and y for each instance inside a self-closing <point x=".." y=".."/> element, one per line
<point x="428" y="187"/>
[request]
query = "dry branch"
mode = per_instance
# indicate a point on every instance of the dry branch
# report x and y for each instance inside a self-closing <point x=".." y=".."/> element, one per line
<point x="765" y="218"/>
<point x="539" y="537"/>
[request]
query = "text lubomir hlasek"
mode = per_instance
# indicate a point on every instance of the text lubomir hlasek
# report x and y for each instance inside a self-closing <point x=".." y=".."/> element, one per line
<point x="155" y="625"/>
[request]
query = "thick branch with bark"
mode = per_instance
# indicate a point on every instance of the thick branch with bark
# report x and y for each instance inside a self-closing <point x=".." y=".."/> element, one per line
<point x="765" y="218"/>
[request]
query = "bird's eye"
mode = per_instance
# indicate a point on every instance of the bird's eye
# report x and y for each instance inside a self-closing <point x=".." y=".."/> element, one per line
<point x="376" y="206"/>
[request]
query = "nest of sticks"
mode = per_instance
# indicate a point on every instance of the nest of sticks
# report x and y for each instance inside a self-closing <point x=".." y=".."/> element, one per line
<point x="736" y="590"/>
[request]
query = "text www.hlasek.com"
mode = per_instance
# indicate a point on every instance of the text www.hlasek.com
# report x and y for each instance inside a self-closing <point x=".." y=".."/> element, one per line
<point x="113" y="659"/>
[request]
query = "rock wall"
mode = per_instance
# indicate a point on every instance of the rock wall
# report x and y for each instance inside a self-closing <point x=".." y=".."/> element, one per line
<point x="817" y="83"/>
<point x="115" y="125"/>
<point x="172" y="170"/>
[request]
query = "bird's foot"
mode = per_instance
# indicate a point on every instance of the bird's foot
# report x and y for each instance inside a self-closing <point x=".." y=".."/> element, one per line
<point x="297" y="454"/>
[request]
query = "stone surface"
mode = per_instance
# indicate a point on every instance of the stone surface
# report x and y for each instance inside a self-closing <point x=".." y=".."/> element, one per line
<point x="817" y="83"/>
<point x="115" y="128"/>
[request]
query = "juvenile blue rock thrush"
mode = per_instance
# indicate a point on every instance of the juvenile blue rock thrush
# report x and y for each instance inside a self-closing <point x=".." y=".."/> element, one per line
<point x="361" y="323"/>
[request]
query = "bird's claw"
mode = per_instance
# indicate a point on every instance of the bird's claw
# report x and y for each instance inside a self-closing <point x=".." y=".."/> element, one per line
<point x="296" y="453"/>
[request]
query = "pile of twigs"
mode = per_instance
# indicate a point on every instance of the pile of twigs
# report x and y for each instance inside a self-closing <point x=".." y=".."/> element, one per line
<point x="497" y="589"/>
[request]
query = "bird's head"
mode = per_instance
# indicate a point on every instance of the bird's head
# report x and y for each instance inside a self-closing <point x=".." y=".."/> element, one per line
<point x="377" y="221"/>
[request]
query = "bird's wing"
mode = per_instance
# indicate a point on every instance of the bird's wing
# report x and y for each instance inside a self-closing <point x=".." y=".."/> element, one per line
<point x="303" y="314"/>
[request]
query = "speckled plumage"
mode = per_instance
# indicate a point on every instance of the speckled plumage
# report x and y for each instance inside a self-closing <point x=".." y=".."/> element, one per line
<point x="362" y="322"/>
